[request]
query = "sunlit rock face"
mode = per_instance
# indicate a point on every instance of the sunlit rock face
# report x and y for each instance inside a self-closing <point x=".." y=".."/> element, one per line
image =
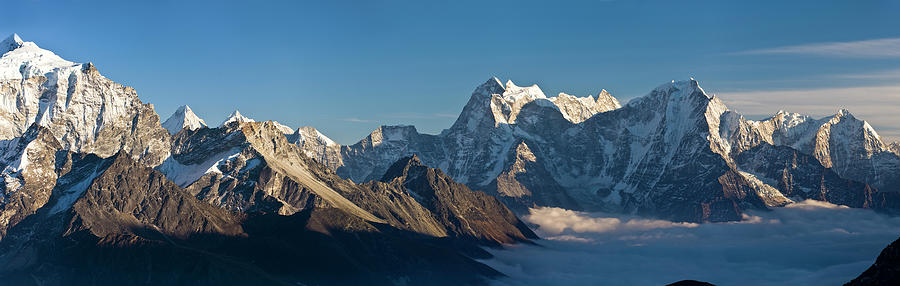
<point x="29" y="174"/>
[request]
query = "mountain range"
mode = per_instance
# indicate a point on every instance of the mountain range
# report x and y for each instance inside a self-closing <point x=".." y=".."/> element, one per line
<point x="96" y="189"/>
<point x="676" y="153"/>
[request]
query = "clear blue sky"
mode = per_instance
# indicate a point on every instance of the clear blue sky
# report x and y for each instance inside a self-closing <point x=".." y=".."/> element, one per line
<point x="346" y="67"/>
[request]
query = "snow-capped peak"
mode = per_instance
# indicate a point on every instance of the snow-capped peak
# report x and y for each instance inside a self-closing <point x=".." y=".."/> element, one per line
<point x="310" y="133"/>
<point x="684" y="91"/>
<point x="22" y="59"/>
<point x="183" y="118"/>
<point x="287" y="130"/>
<point x="515" y="93"/>
<point x="236" y="116"/>
<point x="10" y="43"/>
<point x="844" y="112"/>
<point x="607" y="100"/>
<point x="790" y="119"/>
<point x="488" y="88"/>
<point x="577" y="109"/>
<point x="687" y="87"/>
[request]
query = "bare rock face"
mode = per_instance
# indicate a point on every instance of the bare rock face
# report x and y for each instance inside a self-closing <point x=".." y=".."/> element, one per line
<point x="463" y="212"/>
<point x="526" y="183"/>
<point x="100" y="206"/>
<point x="129" y="195"/>
<point x="29" y="173"/>
<point x="86" y="112"/>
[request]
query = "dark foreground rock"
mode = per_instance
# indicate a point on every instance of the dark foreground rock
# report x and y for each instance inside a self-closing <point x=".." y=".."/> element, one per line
<point x="132" y="226"/>
<point x="691" y="283"/>
<point x="885" y="271"/>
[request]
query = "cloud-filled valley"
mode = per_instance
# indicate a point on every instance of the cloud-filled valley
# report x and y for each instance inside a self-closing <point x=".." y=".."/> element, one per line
<point x="807" y="243"/>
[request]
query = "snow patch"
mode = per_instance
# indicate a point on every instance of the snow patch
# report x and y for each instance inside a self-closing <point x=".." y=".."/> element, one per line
<point x="184" y="175"/>
<point x="73" y="192"/>
<point x="236" y="117"/>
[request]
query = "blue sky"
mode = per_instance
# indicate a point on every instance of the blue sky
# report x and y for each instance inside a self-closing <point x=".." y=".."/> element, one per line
<point x="346" y="67"/>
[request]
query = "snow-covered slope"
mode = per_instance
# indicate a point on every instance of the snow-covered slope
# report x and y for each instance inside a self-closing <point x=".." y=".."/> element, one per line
<point x="85" y="111"/>
<point x="183" y="118"/>
<point x="22" y="60"/>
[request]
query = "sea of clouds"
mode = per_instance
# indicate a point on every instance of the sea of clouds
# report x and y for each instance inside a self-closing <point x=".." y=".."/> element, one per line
<point x="806" y="243"/>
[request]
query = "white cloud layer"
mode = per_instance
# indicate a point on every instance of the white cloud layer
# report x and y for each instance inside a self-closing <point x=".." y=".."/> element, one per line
<point x="557" y="220"/>
<point x="877" y="48"/>
<point x="809" y="243"/>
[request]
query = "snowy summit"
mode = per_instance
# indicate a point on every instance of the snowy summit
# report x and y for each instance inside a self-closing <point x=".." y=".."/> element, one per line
<point x="183" y="118"/>
<point x="21" y="59"/>
<point x="236" y="116"/>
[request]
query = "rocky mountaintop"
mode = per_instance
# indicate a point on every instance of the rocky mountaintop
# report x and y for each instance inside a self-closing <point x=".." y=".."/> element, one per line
<point x="183" y="118"/>
<point x="235" y="116"/>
